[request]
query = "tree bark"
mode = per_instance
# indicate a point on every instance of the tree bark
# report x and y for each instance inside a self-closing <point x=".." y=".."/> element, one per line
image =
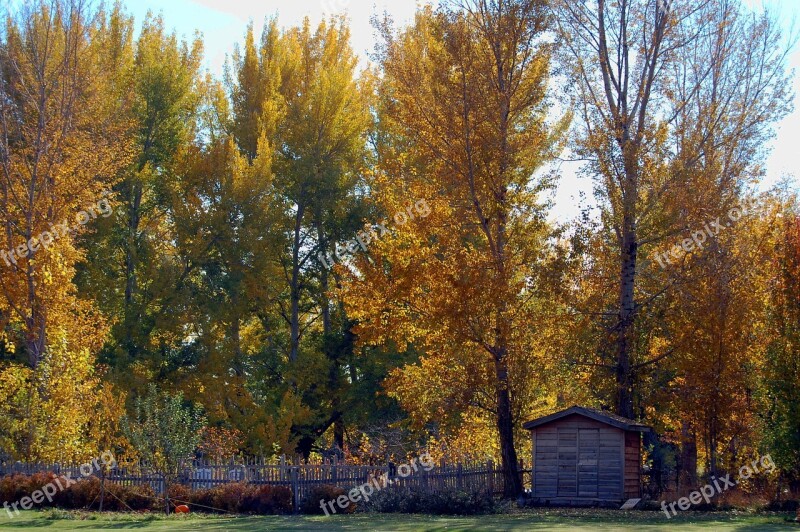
<point x="512" y="483"/>
<point x="627" y="316"/>
<point x="687" y="477"/>
<point x="295" y="284"/>
<point x="131" y="259"/>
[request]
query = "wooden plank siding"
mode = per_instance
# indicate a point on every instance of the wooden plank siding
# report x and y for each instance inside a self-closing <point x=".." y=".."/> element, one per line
<point x="567" y="462"/>
<point x="577" y="460"/>
<point x="610" y="471"/>
<point x="588" y="459"/>
<point x="545" y="472"/>
<point x="633" y="467"/>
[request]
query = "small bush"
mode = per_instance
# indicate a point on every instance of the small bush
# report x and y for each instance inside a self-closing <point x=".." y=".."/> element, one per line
<point x="56" y="514"/>
<point x="395" y="500"/>
<point x="180" y="493"/>
<point x="14" y="487"/>
<point x="268" y="500"/>
<point x="36" y="482"/>
<point x="203" y="499"/>
<point x="789" y="505"/>
<point x="81" y="494"/>
<point x="17" y="486"/>
<point x="455" y="502"/>
<point x="137" y="498"/>
<point x="311" y="504"/>
<point x="85" y="494"/>
<point x="230" y="497"/>
<point x="444" y="502"/>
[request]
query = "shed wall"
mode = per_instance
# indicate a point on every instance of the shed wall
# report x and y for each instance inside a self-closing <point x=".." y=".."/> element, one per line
<point x="578" y="459"/>
<point x="633" y="470"/>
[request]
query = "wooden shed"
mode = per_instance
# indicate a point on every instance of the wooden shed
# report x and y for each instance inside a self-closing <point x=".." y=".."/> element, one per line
<point x="584" y="457"/>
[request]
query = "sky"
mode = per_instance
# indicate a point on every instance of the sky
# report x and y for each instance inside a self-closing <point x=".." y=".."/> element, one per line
<point x="223" y="23"/>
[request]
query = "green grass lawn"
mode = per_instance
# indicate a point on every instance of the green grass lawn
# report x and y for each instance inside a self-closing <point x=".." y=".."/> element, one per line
<point x="539" y="519"/>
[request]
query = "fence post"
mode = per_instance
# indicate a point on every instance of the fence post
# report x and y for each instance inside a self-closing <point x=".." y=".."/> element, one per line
<point x="459" y="476"/>
<point x="295" y="489"/>
<point x="490" y="467"/>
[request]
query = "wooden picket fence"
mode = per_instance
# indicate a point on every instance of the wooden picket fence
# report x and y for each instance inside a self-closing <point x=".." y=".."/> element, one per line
<point x="301" y="478"/>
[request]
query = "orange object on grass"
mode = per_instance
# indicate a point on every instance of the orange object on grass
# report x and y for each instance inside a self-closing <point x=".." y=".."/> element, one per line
<point x="182" y="509"/>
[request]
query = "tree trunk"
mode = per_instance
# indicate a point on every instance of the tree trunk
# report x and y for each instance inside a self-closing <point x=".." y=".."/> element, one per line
<point x="324" y="281"/>
<point x="295" y="285"/>
<point x="35" y="321"/>
<point x="102" y="489"/>
<point x="131" y="258"/>
<point x="36" y="331"/>
<point x="512" y="484"/>
<point x="629" y="247"/>
<point x="625" y="333"/>
<point x="338" y="434"/>
<point x="166" y="496"/>
<point x="687" y="476"/>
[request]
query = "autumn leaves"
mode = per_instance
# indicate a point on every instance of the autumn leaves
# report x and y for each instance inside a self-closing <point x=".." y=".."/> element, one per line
<point x="363" y="238"/>
<point x="46" y="238"/>
<point x="709" y="231"/>
<point x="243" y="267"/>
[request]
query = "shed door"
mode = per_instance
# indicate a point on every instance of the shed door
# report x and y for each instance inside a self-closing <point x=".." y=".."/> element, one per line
<point x="567" y="462"/>
<point x="588" y="454"/>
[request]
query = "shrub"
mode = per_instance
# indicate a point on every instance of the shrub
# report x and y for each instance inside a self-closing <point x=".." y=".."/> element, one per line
<point x="395" y="500"/>
<point x="455" y="502"/>
<point x="234" y="497"/>
<point x="325" y="492"/>
<point x="266" y="500"/>
<point x="17" y="486"/>
<point x="180" y="493"/>
<point x="37" y="481"/>
<point x="229" y="497"/>
<point x="444" y="502"/>
<point x="789" y="505"/>
<point x="112" y="499"/>
<point x="81" y="494"/>
<point x="13" y="488"/>
<point x="204" y="498"/>
<point x="117" y="498"/>
<point x="239" y="497"/>
<point x="136" y="498"/>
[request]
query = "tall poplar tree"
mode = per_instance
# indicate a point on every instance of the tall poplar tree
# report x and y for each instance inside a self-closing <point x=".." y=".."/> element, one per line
<point x="676" y="101"/>
<point x="464" y="131"/>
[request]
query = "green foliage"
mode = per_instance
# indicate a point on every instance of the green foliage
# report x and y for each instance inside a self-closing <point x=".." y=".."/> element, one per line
<point x="783" y="357"/>
<point x="165" y="430"/>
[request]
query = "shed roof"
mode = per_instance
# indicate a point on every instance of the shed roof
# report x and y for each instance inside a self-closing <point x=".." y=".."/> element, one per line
<point x="598" y="415"/>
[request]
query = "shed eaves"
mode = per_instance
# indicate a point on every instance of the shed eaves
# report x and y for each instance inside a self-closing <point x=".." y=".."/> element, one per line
<point x="592" y="413"/>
